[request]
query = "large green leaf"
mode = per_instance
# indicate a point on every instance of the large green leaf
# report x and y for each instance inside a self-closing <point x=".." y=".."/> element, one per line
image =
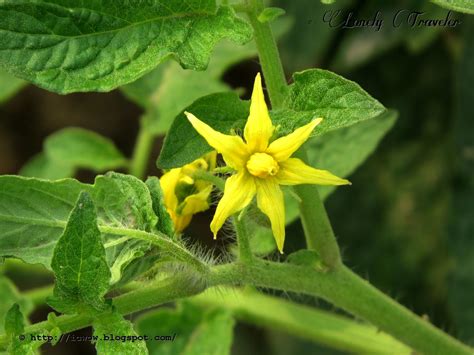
<point x="9" y="85"/>
<point x="66" y="46"/>
<point x="80" y="268"/>
<point x="193" y="331"/>
<point x="321" y="93"/>
<point x="113" y="324"/>
<point x="466" y="6"/>
<point x="33" y="214"/>
<point x="183" y="144"/>
<point x="41" y="166"/>
<point x="342" y="152"/>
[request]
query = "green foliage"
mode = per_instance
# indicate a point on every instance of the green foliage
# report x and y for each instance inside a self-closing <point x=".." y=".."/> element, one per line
<point x="83" y="149"/>
<point x="33" y="214"/>
<point x="14" y="327"/>
<point x="74" y="148"/>
<point x="183" y="144"/>
<point x="465" y="6"/>
<point x="9" y="86"/>
<point x="165" y="223"/>
<point x="99" y="46"/>
<point x="41" y="166"/>
<point x="79" y="264"/>
<point x="194" y="331"/>
<point x="113" y="324"/>
<point x="321" y="93"/>
<point x="10" y="296"/>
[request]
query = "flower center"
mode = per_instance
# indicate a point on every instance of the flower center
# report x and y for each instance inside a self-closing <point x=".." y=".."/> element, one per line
<point x="262" y="165"/>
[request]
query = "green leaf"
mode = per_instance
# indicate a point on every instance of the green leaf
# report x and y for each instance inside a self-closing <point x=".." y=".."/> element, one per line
<point x="270" y="14"/>
<point x="9" y="86"/>
<point x="40" y="166"/>
<point x="81" y="148"/>
<point x="113" y="324"/>
<point x="14" y="328"/>
<point x="65" y="46"/>
<point x="79" y="264"/>
<point x="192" y="330"/>
<point x="309" y="258"/>
<point x="342" y="152"/>
<point x="466" y="6"/>
<point x="165" y="224"/>
<point x="183" y="144"/>
<point x="11" y="296"/>
<point x="14" y="321"/>
<point x="321" y="93"/>
<point x="34" y="213"/>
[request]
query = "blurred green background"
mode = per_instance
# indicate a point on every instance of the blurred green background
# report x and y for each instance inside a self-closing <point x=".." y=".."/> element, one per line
<point x="406" y="223"/>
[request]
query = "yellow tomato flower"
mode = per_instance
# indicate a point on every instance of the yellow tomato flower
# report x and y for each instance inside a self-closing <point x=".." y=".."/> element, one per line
<point x="261" y="165"/>
<point x="183" y="195"/>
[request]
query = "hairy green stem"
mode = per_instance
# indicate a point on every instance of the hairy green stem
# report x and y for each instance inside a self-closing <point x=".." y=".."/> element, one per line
<point x="245" y="252"/>
<point x="166" y="245"/>
<point x="268" y="55"/>
<point x="141" y="152"/>
<point x="302" y="321"/>
<point x="316" y="225"/>
<point x="341" y="287"/>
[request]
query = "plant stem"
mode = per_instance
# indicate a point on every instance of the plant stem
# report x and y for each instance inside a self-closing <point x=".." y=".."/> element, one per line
<point x="316" y="225"/>
<point x="141" y="152"/>
<point x="245" y="252"/>
<point x="268" y="55"/>
<point x="302" y="321"/>
<point x="341" y="287"/>
<point x="348" y="291"/>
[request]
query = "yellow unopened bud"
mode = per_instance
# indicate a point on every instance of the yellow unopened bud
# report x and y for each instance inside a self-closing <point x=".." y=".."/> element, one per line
<point x="262" y="165"/>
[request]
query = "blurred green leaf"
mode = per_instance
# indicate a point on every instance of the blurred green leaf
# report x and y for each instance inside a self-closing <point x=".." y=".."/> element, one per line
<point x="113" y="324"/>
<point x="9" y="86"/>
<point x="40" y="166"/>
<point x="194" y="331"/>
<point x="98" y="46"/>
<point x="465" y="6"/>
<point x="342" y="152"/>
<point x="81" y="148"/>
<point x="70" y="149"/>
<point x="79" y="264"/>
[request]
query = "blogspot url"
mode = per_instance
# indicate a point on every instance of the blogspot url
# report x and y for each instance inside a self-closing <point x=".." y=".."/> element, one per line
<point x="72" y="338"/>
